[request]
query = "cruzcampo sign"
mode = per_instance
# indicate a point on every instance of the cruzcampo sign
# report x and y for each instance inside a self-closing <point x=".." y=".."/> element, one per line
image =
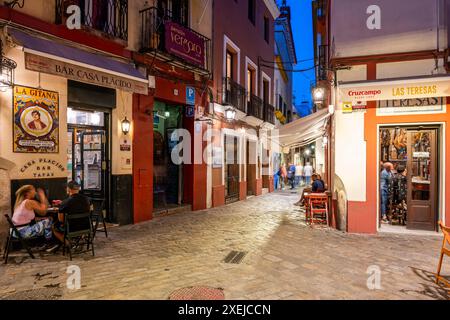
<point x="74" y="72"/>
<point x="395" y="90"/>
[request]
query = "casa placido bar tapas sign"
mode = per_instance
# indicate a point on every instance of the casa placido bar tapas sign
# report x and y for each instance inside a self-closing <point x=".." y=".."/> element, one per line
<point x="36" y="120"/>
<point x="185" y="44"/>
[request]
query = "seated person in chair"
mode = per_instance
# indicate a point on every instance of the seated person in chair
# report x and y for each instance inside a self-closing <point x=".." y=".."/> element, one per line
<point x="76" y="203"/>
<point x="318" y="186"/>
<point x="25" y="210"/>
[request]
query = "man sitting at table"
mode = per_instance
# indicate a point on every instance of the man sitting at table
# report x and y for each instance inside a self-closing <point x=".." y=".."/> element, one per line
<point x="318" y="186"/>
<point x="76" y="203"/>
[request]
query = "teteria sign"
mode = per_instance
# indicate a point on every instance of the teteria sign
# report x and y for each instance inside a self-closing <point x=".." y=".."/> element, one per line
<point x="71" y="71"/>
<point x="395" y="90"/>
<point x="42" y="168"/>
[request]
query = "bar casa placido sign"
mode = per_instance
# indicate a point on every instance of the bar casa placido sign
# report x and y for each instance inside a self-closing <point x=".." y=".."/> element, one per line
<point x="395" y="90"/>
<point x="74" y="72"/>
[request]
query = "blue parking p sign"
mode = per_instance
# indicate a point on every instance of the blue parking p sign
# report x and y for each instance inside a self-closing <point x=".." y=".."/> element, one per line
<point x="190" y="96"/>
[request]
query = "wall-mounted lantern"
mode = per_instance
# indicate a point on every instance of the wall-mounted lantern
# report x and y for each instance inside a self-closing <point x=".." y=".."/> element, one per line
<point x="126" y="125"/>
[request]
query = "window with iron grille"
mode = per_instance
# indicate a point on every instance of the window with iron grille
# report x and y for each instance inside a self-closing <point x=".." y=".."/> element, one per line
<point x="175" y="10"/>
<point x="323" y="63"/>
<point x="107" y="16"/>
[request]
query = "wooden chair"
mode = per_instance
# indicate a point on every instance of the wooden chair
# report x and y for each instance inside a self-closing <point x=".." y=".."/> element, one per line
<point x="98" y="209"/>
<point x="78" y="231"/>
<point x="445" y="250"/>
<point x="318" y="208"/>
<point x="14" y="236"/>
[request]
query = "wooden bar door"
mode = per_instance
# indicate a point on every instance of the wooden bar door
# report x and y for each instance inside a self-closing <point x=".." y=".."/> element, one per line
<point x="422" y="179"/>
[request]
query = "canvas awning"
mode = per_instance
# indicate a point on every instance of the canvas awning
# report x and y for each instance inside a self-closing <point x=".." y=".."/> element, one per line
<point x="304" y="130"/>
<point x="55" y="58"/>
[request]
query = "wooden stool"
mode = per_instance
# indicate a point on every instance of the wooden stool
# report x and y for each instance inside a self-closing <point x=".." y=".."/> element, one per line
<point x="318" y="207"/>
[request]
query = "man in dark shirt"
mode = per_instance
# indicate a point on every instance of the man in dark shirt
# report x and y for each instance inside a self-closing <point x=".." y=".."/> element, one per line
<point x="76" y="203"/>
<point x="318" y="185"/>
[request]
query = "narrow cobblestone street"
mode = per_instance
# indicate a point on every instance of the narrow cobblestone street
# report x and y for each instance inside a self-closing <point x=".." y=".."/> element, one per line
<point x="286" y="259"/>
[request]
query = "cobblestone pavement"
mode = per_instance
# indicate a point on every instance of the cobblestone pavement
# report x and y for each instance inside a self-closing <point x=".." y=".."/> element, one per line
<point x="286" y="259"/>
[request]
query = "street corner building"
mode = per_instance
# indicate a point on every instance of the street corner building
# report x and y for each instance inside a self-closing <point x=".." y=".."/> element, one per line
<point x="387" y="81"/>
<point x="102" y="103"/>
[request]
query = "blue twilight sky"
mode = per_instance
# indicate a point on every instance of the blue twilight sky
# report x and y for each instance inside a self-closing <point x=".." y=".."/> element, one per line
<point x="303" y="38"/>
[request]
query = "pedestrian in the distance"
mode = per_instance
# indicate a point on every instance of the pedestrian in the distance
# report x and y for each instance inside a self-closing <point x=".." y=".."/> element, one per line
<point x="283" y="176"/>
<point x="308" y="172"/>
<point x="298" y="175"/>
<point x="291" y="175"/>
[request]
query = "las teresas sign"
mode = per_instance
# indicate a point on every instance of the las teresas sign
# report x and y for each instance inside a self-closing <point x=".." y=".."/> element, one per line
<point x="185" y="44"/>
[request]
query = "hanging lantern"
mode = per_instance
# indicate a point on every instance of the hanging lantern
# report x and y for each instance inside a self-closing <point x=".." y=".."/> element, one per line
<point x="318" y="94"/>
<point x="126" y="125"/>
<point x="230" y="114"/>
<point x="7" y="73"/>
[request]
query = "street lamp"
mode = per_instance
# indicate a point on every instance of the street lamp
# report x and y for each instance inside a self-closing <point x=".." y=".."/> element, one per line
<point x="126" y="125"/>
<point x="318" y="94"/>
<point x="230" y="114"/>
<point x="7" y="73"/>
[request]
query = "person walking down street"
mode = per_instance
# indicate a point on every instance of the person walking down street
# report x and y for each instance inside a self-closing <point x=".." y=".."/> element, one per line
<point x="277" y="179"/>
<point x="385" y="180"/>
<point x="308" y="172"/>
<point x="283" y="176"/>
<point x="291" y="175"/>
<point x="298" y="175"/>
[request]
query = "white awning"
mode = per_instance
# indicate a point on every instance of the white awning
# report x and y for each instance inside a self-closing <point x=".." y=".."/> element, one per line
<point x="304" y="130"/>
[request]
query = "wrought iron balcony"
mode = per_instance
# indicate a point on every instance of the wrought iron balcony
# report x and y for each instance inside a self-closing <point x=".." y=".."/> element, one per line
<point x="269" y="113"/>
<point x="234" y="94"/>
<point x="255" y="107"/>
<point x="322" y="68"/>
<point x="321" y="6"/>
<point x="110" y="17"/>
<point x="169" y="36"/>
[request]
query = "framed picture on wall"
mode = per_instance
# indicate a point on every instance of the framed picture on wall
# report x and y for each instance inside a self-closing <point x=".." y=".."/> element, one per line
<point x="35" y="120"/>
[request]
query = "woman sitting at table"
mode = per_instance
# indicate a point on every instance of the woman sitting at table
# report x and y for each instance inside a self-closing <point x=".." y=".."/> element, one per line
<point x="318" y="186"/>
<point x="25" y="210"/>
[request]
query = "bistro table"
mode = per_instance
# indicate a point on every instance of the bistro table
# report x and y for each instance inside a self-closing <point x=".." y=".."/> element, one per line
<point x="52" y="212"/>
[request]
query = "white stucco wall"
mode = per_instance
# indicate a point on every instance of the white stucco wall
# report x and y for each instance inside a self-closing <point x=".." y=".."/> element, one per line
<point x="407" y="69"/>
<point x="31" y="79"/>
<point x="350" y="154"/>
<point x="350" y="146"/>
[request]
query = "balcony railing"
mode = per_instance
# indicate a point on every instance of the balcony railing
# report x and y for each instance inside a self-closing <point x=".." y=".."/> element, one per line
<point x="168" y="35"/>
<point x="269" y="113"/>
<point x="321" y="8"/>
<point x="322" y="69"/>
<point x="234" y="94"/>
<point x="110" y="17"/>
<point x="255" y="107"/>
